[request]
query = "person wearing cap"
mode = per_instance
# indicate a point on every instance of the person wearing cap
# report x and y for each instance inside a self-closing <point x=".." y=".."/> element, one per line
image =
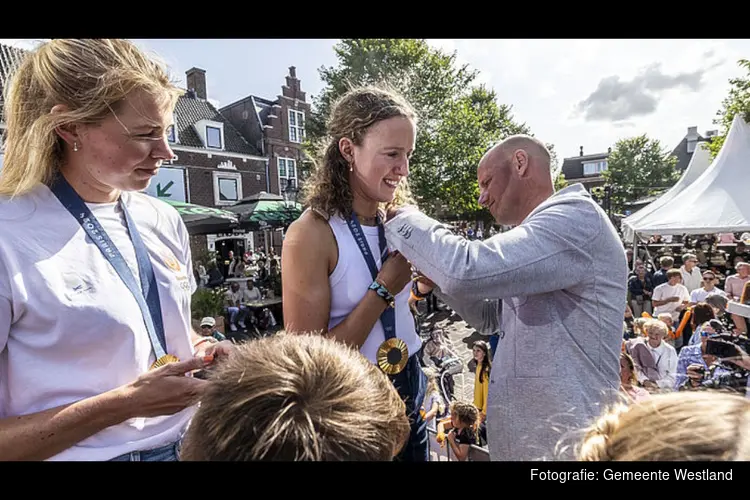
<point x="208" y="329"/>
<point x="691" y="274"/>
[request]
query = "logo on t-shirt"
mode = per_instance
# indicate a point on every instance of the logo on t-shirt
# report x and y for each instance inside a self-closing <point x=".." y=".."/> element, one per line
<point x="75" y="285"/>
<point x="170" y="260"/>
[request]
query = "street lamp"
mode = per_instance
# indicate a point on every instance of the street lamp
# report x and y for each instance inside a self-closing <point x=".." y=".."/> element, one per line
<point x="290" y="194"/>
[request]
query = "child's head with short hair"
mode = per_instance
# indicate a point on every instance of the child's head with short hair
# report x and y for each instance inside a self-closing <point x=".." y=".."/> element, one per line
<point x="639" y="327"/>
<point x="297" y="397"/>
<point x="463" y="415"/>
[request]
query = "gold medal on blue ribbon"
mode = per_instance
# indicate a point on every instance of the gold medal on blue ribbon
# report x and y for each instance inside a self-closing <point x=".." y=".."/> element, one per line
<point x="165" y="360"/>
<point x="392" y="356"/>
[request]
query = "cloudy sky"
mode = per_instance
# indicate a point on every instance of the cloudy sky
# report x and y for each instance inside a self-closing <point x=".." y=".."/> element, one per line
<point x="571" y="93"/>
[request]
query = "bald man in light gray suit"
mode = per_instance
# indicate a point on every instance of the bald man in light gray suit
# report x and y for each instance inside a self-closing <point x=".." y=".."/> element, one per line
<point x="553" y="288"/>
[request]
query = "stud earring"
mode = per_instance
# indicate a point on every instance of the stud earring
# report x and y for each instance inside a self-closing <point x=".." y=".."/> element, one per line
<point x="75" y="146"/>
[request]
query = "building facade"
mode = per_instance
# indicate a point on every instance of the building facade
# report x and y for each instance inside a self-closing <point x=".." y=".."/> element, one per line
<point x="276" y="127"/>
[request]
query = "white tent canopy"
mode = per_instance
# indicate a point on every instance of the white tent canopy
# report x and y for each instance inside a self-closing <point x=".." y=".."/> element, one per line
<point x="717" y="201"/>
<point x="699" y="162"/>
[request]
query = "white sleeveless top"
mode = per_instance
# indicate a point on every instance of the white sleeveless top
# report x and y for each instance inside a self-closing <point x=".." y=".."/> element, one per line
<point x="349" y="283"/>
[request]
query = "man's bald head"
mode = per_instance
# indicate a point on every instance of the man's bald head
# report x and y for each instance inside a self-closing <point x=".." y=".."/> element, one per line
<point x="535" y="150"/>
<point x="514" y="177"/>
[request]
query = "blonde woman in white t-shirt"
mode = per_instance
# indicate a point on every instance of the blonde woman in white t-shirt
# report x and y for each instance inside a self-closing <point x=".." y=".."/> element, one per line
<point x="95" y="277"/>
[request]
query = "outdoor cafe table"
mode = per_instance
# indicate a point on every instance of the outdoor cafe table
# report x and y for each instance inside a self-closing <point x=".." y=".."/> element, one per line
<point x="260" y="304"/>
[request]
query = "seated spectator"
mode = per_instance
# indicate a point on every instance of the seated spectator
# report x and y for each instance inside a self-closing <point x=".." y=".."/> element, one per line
<point x="235" y="308"/>
<point x="666" y="318"/>
<point x="733" y="287"/>
<point x="655" y="360"/>
<point x="660" y="276"/>
<point x="297" y="398"/>
<point x="719" y="305"/>
<point x="629" y="382"/>
<point x="699" y="315"/>
<point x="685" y="426"/>
<point x="693" y="362"/>
<point x="708" y="288"/>
<point x="671" y="297"/>
<point x="208" y="329"/>
<point x="640" y="288"/>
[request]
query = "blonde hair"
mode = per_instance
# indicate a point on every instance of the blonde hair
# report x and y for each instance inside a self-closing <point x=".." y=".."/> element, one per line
<point x="353" y="114"/>
<point x="90" y="77"/>
<point x="694" y="426"/>
<point x="655" y="325"/>
<point x="297" y="397"/>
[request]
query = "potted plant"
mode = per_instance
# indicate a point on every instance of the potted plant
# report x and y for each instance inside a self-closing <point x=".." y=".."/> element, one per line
<point x="209" y="302"/>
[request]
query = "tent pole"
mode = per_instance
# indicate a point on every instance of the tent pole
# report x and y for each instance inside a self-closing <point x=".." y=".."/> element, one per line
<point x="635" y="249"/>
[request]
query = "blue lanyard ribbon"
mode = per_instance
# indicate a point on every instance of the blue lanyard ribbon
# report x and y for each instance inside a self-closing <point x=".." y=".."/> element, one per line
<point x="388" y="317"/>
<point x="147" y="295"/>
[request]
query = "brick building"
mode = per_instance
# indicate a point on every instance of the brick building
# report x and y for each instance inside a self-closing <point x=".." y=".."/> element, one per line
<point x="216" y="166"/>
<point x="277" y="129"/>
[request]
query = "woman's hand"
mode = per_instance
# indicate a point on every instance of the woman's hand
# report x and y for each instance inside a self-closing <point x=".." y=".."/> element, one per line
<point x="220" y="349"/>
<point x="395" y="273"/>
<point x="165" y="390"/>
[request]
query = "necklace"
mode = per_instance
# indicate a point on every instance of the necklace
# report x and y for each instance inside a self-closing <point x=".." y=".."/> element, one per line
<point x="367" y="219"/>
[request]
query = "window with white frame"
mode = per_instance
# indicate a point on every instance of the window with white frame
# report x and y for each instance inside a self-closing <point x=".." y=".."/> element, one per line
<point x="213" y="137"/>
<point x="227" y="188"/>
<point x="296" y="125"/>
<point x="594" y="167"/>
<point x="287" y="170"/>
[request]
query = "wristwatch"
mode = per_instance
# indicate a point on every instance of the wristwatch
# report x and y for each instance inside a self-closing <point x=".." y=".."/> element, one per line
<point x="382" y="292"/>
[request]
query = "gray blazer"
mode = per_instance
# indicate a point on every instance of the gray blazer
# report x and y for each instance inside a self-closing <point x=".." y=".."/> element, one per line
<point x="554" y="290"/>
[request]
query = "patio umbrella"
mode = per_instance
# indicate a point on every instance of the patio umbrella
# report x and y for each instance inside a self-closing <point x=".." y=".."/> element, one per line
<point x="265" y="211"/>
<point x="204" y="220"/>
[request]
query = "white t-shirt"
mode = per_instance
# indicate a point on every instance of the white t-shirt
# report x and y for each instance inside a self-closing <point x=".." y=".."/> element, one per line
<point x="692" y="280"/>
<point x="69" y="327"/>
<point x="700" y="294"/>
<point x="665" y="291"/>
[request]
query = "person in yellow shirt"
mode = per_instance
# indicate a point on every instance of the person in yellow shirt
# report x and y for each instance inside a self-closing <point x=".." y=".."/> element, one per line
<point x="482" y="377"/>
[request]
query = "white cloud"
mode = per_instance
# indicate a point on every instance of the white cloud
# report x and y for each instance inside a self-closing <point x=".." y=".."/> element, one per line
<point x="545" y="80"/>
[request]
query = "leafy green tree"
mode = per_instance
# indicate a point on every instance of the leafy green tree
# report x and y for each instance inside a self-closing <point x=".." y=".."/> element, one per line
<point x="639" y="167"/>
<point x="738" y="101"/>
<point x="458" y="120"/>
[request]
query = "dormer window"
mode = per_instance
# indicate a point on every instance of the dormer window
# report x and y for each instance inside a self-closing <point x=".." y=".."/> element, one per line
<point x="296" y="126"/>
<point x="213" y="137"/>
<point x="211" y="133"/>
<point x="594" y="167"/>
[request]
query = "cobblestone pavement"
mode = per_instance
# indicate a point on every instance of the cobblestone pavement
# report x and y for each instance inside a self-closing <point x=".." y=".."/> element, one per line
<point x="462" y="338"/>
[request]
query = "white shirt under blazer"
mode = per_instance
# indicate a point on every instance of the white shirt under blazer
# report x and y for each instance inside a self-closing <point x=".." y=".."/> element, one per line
<point x="349" y="283"/>
<point x="70" y="328"/>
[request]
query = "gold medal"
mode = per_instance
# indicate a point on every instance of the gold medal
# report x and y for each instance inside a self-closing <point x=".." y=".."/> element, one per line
<point x="393" y="356"/>
<point x="165" y="360"/>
